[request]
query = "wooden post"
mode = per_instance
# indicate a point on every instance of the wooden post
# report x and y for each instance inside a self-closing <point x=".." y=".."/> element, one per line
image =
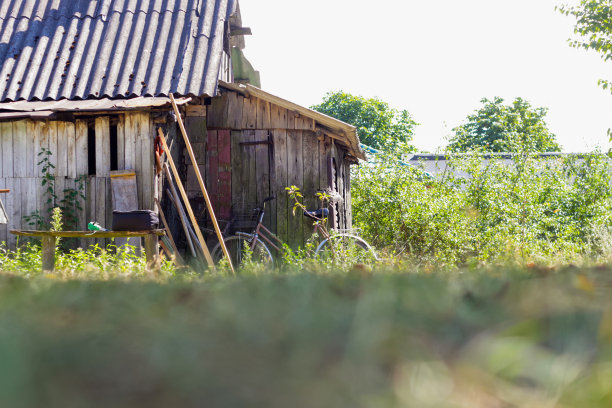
<point x="211" y="211"/>
<point x="152" y="251"/>
<point x="48" y="253"/>
<point x="203" y="245"/>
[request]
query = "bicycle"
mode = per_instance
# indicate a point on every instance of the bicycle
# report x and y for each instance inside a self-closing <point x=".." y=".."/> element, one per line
<point x="253" y="245"/>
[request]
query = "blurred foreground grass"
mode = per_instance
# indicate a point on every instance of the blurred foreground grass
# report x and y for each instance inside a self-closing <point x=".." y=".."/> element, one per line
<point x="389" y="338"/>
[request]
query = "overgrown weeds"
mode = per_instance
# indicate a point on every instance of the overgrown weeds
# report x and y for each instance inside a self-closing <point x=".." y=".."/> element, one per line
<point x="529" y="209"/>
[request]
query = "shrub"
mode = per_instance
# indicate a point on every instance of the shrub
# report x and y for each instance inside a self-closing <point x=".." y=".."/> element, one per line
<point x="531" y="209"/>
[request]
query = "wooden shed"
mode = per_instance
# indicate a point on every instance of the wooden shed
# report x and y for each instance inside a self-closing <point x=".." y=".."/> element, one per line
<point x="251" y="145"/>
<point x="86" y="90"/>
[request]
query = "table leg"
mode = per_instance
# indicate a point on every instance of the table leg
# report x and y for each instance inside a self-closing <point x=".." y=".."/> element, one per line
<point x="48" y="254"/>
<point x="152" y="251"/>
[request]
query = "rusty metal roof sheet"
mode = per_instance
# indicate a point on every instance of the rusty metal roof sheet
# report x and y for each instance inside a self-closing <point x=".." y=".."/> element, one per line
<point x="89" y="49"/>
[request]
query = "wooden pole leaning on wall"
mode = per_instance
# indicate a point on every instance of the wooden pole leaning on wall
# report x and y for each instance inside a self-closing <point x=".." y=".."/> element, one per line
<point x="209" y="206"/>
<point x="211" y="263"/>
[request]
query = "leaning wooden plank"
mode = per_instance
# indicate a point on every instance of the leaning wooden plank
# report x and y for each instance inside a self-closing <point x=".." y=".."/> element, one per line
<point x="20" y="161"/>
<point x="121" y="143"/>
<point x="174" y="198"/>
<point x="6" y="140"/>
<point x="102" y="146"/>
<point x="211" y="211"/>
<point x="202" y="242"/>
<point x="224" y="174"/>
<point x="177" y="255"/>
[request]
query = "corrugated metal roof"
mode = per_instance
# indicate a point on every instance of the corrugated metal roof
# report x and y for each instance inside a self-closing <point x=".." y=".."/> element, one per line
<point x="80" y="49"/>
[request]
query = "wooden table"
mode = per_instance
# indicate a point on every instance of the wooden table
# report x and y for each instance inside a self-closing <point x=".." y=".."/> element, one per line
<point x="49" y="239"/>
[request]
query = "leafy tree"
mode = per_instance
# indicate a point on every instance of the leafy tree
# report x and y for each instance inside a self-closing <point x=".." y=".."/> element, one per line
<point x="378" y="125"/>
<point x="593" y="27"/>
<point x="497" y="127"/>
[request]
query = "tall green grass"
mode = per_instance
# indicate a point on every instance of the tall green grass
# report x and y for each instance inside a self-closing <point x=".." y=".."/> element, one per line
<point x="547" y="210"/>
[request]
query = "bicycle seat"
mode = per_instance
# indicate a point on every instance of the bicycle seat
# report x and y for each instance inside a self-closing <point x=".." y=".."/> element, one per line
<point x="317" y="214"/>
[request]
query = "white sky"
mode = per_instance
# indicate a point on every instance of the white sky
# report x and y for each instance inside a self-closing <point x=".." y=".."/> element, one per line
<point x="435" y="58"/>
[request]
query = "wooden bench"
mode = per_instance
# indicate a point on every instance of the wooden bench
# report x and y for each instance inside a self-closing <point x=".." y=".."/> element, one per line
<point x="49" y="239"/>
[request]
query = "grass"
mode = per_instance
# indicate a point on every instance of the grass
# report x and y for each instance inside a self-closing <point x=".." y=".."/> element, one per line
<point x="387" y="337"/>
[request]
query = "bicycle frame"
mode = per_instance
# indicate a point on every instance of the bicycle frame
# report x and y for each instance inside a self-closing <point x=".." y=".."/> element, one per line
<point x="263" y="233"/>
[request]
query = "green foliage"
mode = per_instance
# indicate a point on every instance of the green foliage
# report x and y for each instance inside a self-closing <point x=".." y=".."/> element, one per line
<point x="378" y="125"/>
<point x="593" y="28"/>
<point x="530" y="209"/>
<point x="70" y="205"/>
<point x="388" y="338"/>
<point x="496" y="127"/>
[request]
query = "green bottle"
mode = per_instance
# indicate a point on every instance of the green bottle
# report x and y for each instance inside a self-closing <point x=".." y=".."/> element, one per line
<point x="94" y="226"/>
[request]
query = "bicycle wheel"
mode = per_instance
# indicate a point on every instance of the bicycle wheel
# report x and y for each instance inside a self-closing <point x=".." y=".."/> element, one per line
<point x="346" y="248"/>
<point x="239" y="246"/>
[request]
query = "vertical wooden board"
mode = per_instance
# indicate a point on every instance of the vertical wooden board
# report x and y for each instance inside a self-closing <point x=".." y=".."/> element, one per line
<point x="311" y="177"/>
<point x="3" y="227"/>
<point x="102" y="129"/>
<point x="147" y="162"/>
<point x="237" y="170"/>
<point x="52" y="138"/>
<point x="6" y="134"/>
<point x="341" y="205"/>
<point x="100" y="208"/>
<point x="280" y="182"/>
<point x="108" y="218"/>
<point x="291" y="119"/>
<point x="249" y="176"/>
<point x="71" y="151"/>
<point x="82" y="187"/>
<point x="60" y="185"/>
<point x="323" y="165"/>
<point x="81" y="148"/>
<point x="212" y="169"/>
<point x="90" y="206"/>
<point x="62" y="149"/>
<point x="121" y="143"/>
<point x="278" y="117"/>
<point x="262" y="182"/>
<point x="295" y="162"/>
<point x="225" y="174"/>
<point x="348" y="198"/>
<point x="130" y="131"/>
<point x="31" y="153"/>
<point x="28" y="199"/>
<point x="20" y="161"/>
<point x="263" y="114"/>
<point x="13" y="209"/>
<point x="216" y="115"/>
<point x="249" y="113"/>
<point x="41" y="142"/>
<point x="1" y="157"/>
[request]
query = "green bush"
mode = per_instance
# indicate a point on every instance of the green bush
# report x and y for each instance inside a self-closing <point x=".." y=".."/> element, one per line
<point x="533" y="209"/>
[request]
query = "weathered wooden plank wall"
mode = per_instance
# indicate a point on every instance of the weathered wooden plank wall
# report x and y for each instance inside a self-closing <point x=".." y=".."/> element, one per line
<point x="22" y="173"/>
<point x="297" y="155"/>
